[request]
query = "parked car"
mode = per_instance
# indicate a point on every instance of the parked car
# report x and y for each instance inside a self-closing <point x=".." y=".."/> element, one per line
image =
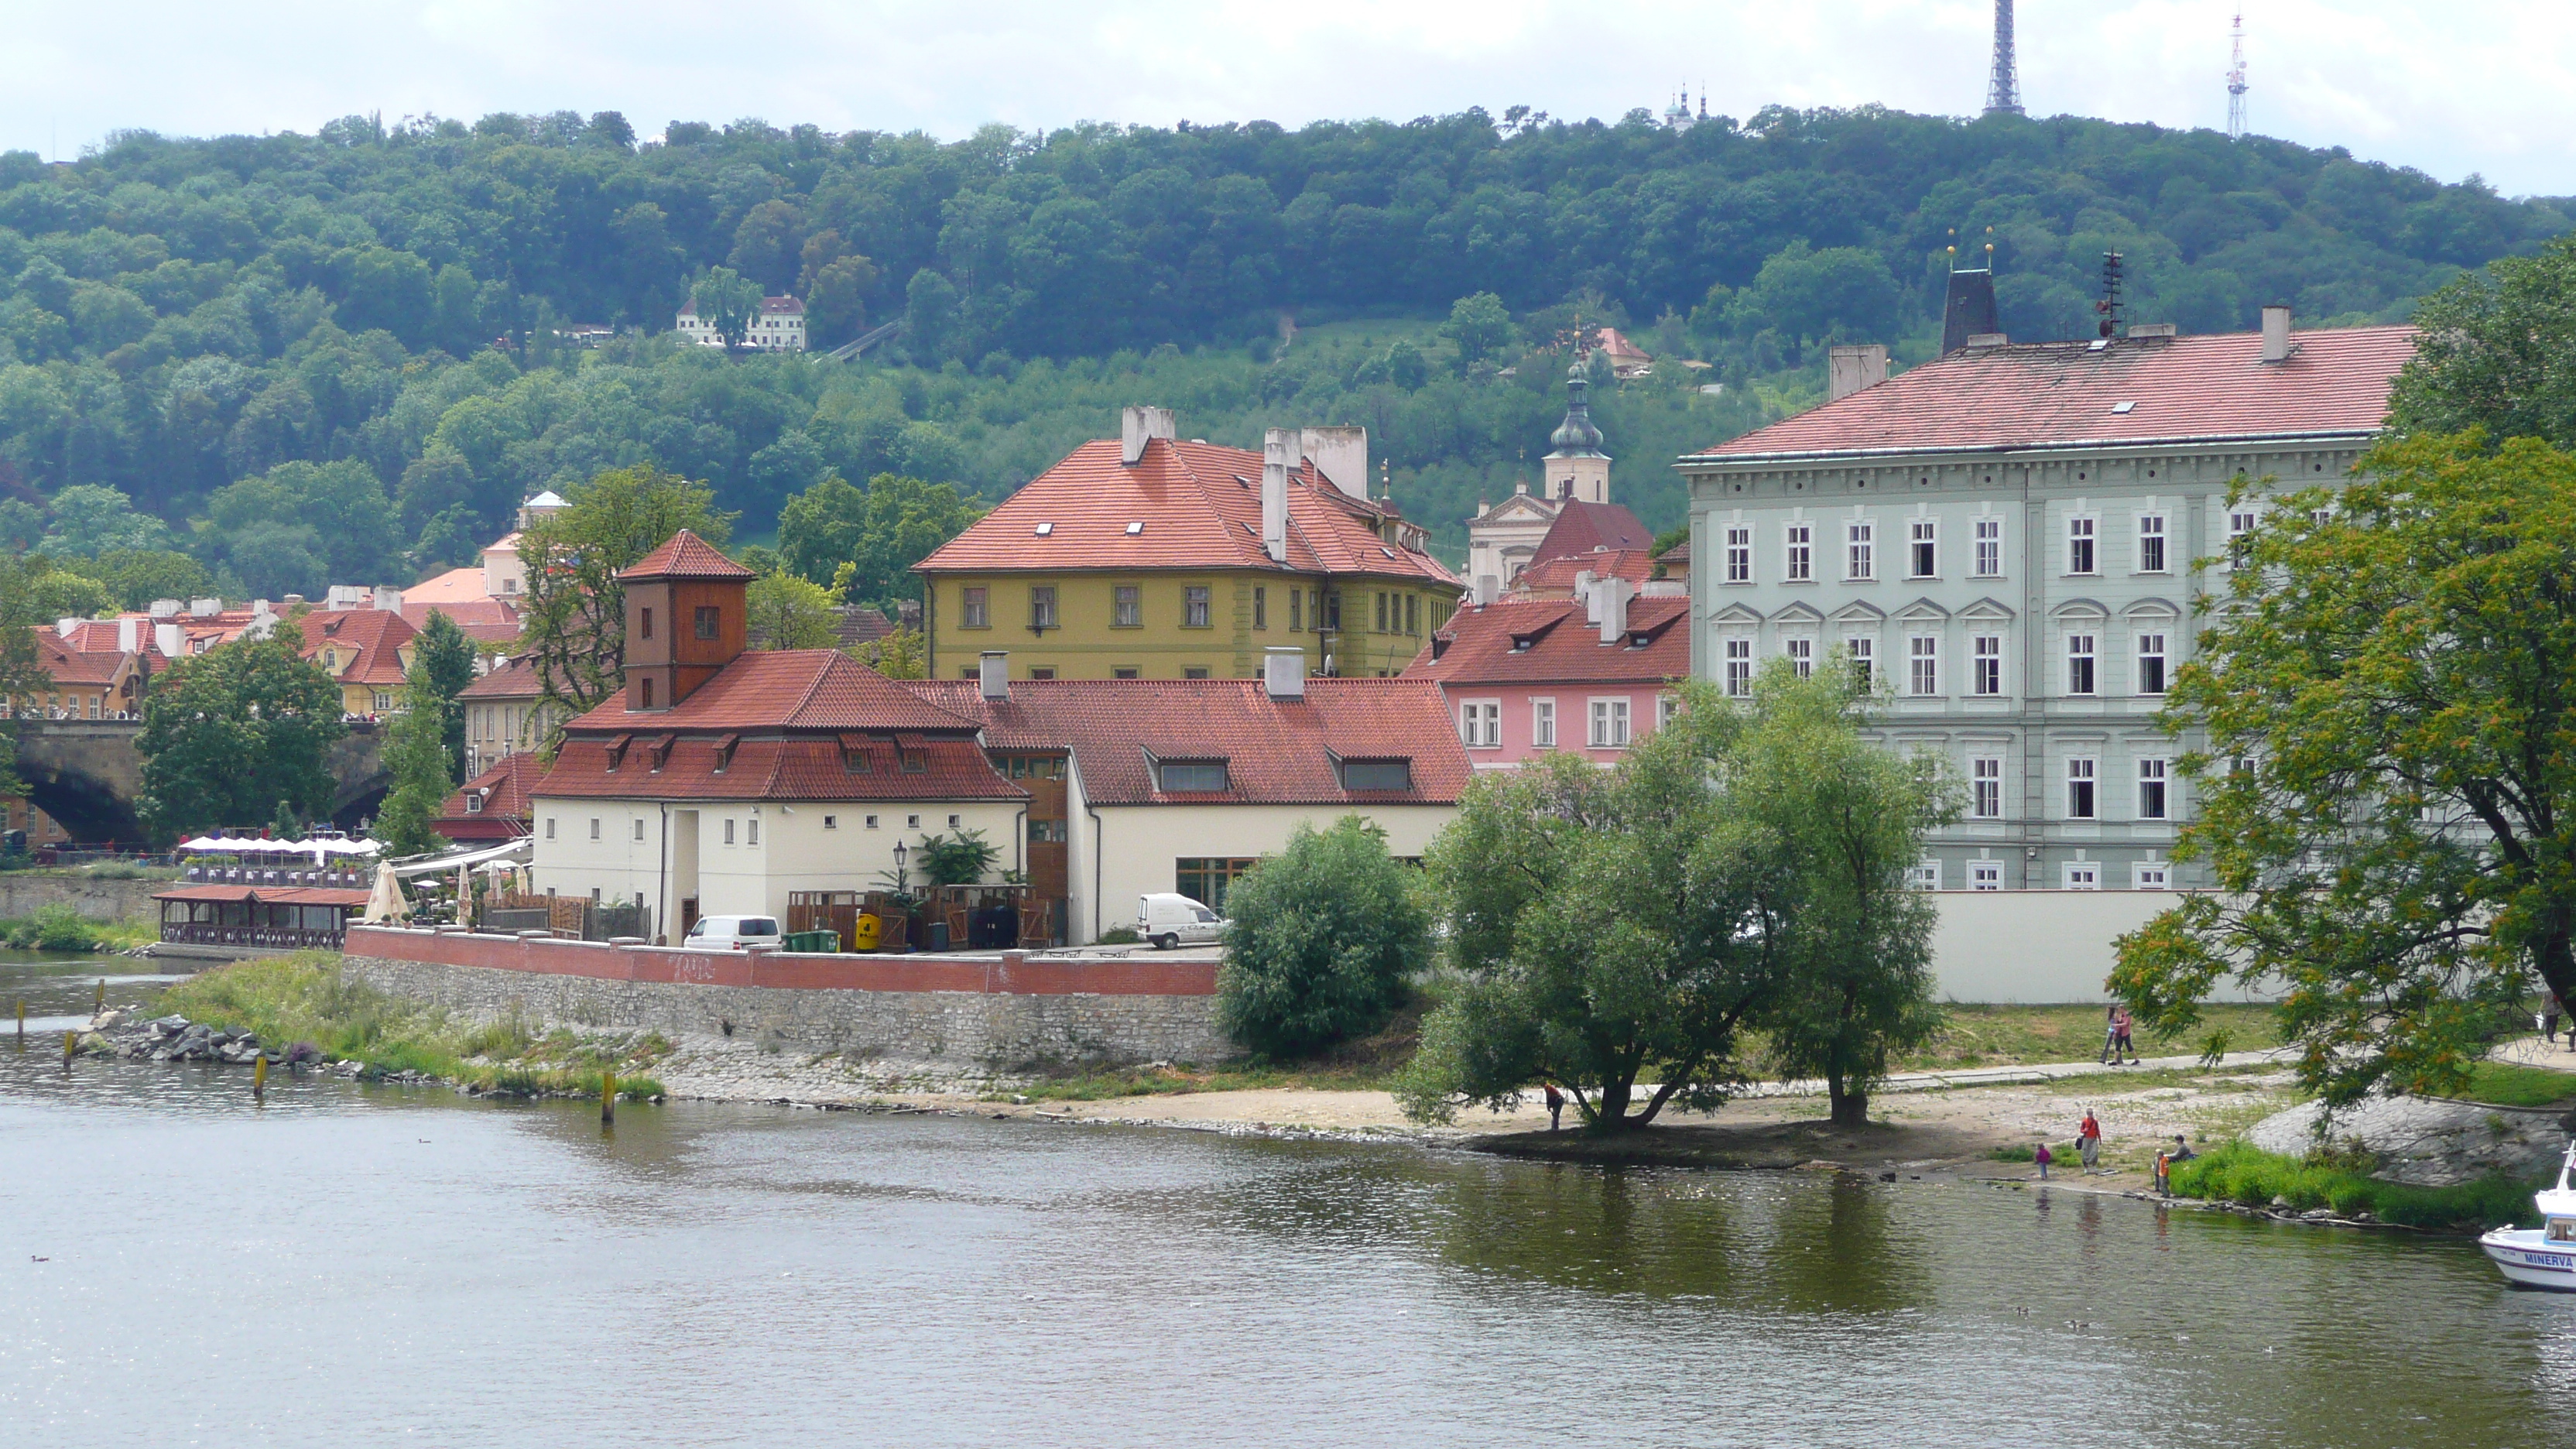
<point x="732" y="933"/>
<point x="1168" y="919"/>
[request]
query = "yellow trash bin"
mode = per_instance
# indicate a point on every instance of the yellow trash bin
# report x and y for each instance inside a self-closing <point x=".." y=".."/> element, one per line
<point x="865" y="935"/>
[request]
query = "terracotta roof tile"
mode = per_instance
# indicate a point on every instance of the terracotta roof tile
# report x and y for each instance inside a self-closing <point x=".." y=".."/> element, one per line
<point x="775" y="768"/>
<point x="504" y="788"/>
<point x="1200" y="507"/>
<point x="1277" y="752"/>
<point x="515" y="680"/>
<point x="1556" y="575"/>
<point x="368" y="643"/>
<point x="1582" y="527"/>
<point x="818" y="689"/>
<point x="456" y="586"/>
<point x="65" y="662"/>
<point x="2056" y="394"/>
<point x="1546" y="641"/>
<point x="686" y="556"/>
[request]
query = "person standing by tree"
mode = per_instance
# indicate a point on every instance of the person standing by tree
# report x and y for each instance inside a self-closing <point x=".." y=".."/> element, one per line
<point x="1555" y="1108"/>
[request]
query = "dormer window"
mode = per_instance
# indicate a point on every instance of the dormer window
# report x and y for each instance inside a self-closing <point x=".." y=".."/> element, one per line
<point x="1175" y="777"/>
<point x="724" y="752"/>
<point x="474" y="804"/>
<point x="1377" y="774"/>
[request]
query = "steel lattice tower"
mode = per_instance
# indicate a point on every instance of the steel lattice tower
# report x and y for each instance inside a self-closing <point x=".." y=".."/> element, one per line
<point x="2236" y="80"/>
<point x="2003" y="88"/>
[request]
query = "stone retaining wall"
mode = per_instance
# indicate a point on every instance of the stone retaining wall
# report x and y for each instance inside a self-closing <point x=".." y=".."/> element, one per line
<point x="998" y="1014"/>
<point x="21" y="892"/>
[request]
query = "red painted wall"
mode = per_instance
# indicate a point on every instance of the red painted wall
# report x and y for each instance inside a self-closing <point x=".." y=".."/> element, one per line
<point x="1006" y="974"/>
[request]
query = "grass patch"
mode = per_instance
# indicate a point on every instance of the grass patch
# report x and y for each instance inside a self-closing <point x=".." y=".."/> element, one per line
<point x="304" y="998"/>
<point x="61" y="927"/>
<point x="2238" y="1172"/>
<point x="2505" y="1084"/>
<point x="1995" y="1036"/>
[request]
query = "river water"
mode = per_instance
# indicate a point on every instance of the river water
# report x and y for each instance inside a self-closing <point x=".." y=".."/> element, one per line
<point x="362" y="1265"/>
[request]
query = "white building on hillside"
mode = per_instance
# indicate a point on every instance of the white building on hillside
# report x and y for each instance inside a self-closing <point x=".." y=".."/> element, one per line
<point x="780" y="327"/>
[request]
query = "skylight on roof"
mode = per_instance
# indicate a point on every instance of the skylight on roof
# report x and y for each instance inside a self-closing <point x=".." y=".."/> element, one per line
<point x="2122" y="407"/>
<point x="1382" y="548"/>
<point x="1045" y="530"/>
<point x="2099" y="344"/>
<point x="1135" y="528"/>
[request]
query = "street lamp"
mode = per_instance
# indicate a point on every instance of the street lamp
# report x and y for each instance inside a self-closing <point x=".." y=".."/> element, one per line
<point x="899" y="854"/>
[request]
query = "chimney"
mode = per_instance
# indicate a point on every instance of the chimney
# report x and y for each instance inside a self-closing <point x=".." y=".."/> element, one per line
<point x="127" y="630"/>
<point x="165" y="608"/>
<point x="1488" y="589"/>
<point x="1136" y="426"/>
<point x="1849" y="369"/>
<point x="1283" y="671"/>
<point x="1278" y="455"/>
<point x="2153" y="329"/>
<point x="165" y="637"/>
<point x="66" y="626"/>
<point x="205" y="608"/>
<point x="1587" y="589"/>
<point x="2277" y="346"/>
<point x="995" y="674"/>
<point x="388" y="600"/>
<point x="1340" y="454"/>
<point x="1613" y="595"/>
<point x="1969" y="308"/>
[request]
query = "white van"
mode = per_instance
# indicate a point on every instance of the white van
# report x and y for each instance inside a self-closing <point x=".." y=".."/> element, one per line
<point x="732" y="933"/>
<point x="1167" y="920"/>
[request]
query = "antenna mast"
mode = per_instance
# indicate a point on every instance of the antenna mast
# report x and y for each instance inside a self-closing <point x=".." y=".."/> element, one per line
<point x="2003" y="87"/>
<point x="2236" y="80"/>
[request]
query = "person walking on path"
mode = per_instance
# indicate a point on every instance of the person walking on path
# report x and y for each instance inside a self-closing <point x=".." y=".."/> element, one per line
<point x="1555" y="1107"/>
<point x="2551" y="1008"/>
<point x="2164" y="1174"/>
<point x="2088" y="1141"/>
<point x="2043" y="1157"/>
<point x="2111" y="1035"/>
<point x="2120" y="1036"/>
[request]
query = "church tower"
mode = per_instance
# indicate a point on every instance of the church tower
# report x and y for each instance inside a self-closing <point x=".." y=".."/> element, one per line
<point x="1576" y="467"/>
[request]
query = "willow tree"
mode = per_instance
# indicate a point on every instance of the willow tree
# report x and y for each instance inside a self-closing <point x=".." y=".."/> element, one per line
<point x="2388" y="789"/>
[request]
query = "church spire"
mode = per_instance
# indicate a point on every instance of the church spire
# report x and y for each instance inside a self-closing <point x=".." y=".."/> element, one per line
<point x="1576" y="466"/>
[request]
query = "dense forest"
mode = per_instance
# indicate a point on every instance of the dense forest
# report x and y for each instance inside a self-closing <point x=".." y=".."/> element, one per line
<point x="341" y="357"/>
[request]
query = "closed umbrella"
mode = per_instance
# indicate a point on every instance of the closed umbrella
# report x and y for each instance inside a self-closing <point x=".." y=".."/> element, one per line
<point x="386" y="904"/>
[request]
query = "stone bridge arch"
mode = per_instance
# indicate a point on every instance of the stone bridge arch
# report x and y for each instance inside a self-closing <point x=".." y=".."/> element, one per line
<point x="88" y="775"/>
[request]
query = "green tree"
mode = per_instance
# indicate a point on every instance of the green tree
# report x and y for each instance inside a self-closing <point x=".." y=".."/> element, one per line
<point x="836" y="302"/>
<point x="442" y="666"/>
<point x="1479" y="327"/>
<point x="138" y="576"/>
<point x="91" y="519"/>
<point x="820" y="528"/>
<point x="60" y="593"/>
<point x="1819" y="296"/>
<point x="900" y="654"/>
<point x="2498" y="352"/>
<point x="904" y="520"/>
<point x="1853" y="815"/>
<point x="1609" y="927"/>
<point x="574" y="622"/>
<point x="1321" y="942"/>
<point x="729" y="302"/>
<point x="787" y="612"/>
<point x="233" y="732"/>
<point x="22" y="672"/>
<point x="422" y="767"/>
<point x="2387" y="791"/>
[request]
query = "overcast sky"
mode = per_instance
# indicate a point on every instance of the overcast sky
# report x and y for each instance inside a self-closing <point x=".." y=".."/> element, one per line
<point x="2452" y="88"/>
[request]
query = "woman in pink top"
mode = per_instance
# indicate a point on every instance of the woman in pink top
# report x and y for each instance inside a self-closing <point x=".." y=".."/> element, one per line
<point x="2120" y="1037"/>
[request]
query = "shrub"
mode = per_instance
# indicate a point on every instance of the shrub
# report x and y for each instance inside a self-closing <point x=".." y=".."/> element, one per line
<point x="56" y="927"/>
<point x="961" y="859"/>
<point x="2240" y="1173"/>
<point x="1118" y="936"/>
<point x="1320" y="942"/>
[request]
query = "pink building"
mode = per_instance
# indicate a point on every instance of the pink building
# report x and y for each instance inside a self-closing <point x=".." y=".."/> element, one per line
<point x="1593" y="673"/>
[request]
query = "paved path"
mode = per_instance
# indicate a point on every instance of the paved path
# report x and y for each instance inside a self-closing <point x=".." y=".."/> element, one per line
<point x="2019" y="1075"/>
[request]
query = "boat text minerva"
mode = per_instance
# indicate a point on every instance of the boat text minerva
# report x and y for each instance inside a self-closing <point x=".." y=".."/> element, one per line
<point x="2545" y="1256"/>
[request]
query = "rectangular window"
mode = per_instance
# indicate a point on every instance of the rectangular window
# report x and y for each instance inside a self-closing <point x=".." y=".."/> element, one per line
<point x="1127" y="606"/>
<point x="1543" y="723"/>
<point x="1260" y="607"/>
<point x="550" y="827"/>
<point x="1204" y="878"/>
<point x="2150" y="875"/>
<point x="1864" y="660"/>
<point x="1128" y="672"/>
<point x="1923" y="549"/>
<point x="1987" y="669"/>
<point x="2151" y="789"/>
<point x="1296" y="611"/>
<point x="1739" y="554"/>
<point x="1381" y="613"/>
<point x="728" y="838"/>
<point x="645" y="624"/>
<point x="594" y="827"/>
<point x="1990" y="548"/>
<point x="1802" y="656"/>
<point x="1923" y="664"/>
<point x="1924" y="877"/>
<point x="2083" y="875"/>
<point x="2151" y="543"/>
<point x="2151" y="664"/>
<point x="1042" y="606"/>
<point x="705" y="619"/>
<point x="1413" y="614"/>
<point x="639" y="830"/>
<point x="1860" y="557"/>
<point x="2079" y="789"/>
<point x="1985" y="875"/>
<point x="1480" y="724"/>
<point x="2079" y="545"/>
<point x="1798" y="563"/>
<point x="1195" y="671"/>
<point x="831" y="822"/>
<point x="1330" y="606"/>
<point x="1739" y="668"/>
<point x="1042" y="671"/>
<point x="2079" y="664"/>
<point x="1666" y="706"/>
<point x="1377" y="774"/>
<point x="1986" y="787"/>
<point x="2240" y="522"/>
<point x="1609" y="724"/>
<point x="1194" y="775"/>
<point x="753" y="829"/>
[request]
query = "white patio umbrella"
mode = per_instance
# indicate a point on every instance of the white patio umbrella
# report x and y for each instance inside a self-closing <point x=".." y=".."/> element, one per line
<point x="386" y="903"/>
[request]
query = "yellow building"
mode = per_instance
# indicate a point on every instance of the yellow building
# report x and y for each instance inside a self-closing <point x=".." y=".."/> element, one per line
<point x="1146" y="557"/>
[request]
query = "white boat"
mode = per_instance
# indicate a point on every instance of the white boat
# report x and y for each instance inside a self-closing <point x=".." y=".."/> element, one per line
<point x="2545" y="1256"/>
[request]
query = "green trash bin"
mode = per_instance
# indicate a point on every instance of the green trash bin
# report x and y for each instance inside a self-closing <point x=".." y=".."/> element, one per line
<point x="817" y="942"/>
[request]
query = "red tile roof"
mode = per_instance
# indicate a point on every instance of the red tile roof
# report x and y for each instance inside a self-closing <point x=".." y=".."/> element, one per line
<point x="1581" y="527"/>
<point x="66" y="663"/>
<point x="487" y="621"/>
<point x="1277" y="752"/>
<point x="1200" y="507"/>
<point x="2058" y="394"/>
<point x="686" y="556"/>
<point x="504" y="789"/>
<point x="515" y="680"/>
<point x="1556" y="575"/>
<point x="368" y="642"/>
<point x="771" y="768"/>
<point x="456" y="586"/>
<point x="814" y="689"/>
<point x="1546" y="641"/>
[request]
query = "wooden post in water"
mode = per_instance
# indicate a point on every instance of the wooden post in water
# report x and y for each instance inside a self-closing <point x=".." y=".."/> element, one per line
<point x="101" y="1009"/>
<point x="259" y="1076"/>
<point x="22" y="1023"/>
<point x="608" y="1099"/>
<point x="69" y="1038"/>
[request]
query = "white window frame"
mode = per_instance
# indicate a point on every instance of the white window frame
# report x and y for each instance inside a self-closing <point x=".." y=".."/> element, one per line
<point x="2084" y="785"/>
<point x="1986" y="787"/>
<point x="1990" y="548"/>
<point x="2155" y="788"/>
<point x="1986" y="665"/>
<point x="1862" y="650"/>
<point x="1480" y="723"/>
<point x="1860" y="550"/>
<point x="1924" y="875"/>
<point x="1923" y="665"/>
<point x="2084" y="649"/>
<point x="2241" y="520"/>
<point x="1985" y="875"/>
<point x="1802" y="656"/>
<point x="2151" y="875"/>
<point x="1666" y="706"/>
<point x="1736" y="651"/>
<point x="2082" y="875"/>
<point x="1923" y="548"/>
<point x="1798" y="552"/>
<point x="2153" y="539"/>
<point x="1739" y="553"/>
<point x="1607" y="720"/>
<point x="2083" y="545"/>
<point x="2142" y="654"/>
<point x="1543" y="724"/>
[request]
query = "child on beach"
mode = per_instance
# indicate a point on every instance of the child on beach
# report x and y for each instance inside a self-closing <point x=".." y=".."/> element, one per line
<point x="2043" y="1157"/>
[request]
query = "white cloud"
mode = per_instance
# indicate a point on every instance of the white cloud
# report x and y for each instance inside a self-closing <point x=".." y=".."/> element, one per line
<point x="2486" y="87"/>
